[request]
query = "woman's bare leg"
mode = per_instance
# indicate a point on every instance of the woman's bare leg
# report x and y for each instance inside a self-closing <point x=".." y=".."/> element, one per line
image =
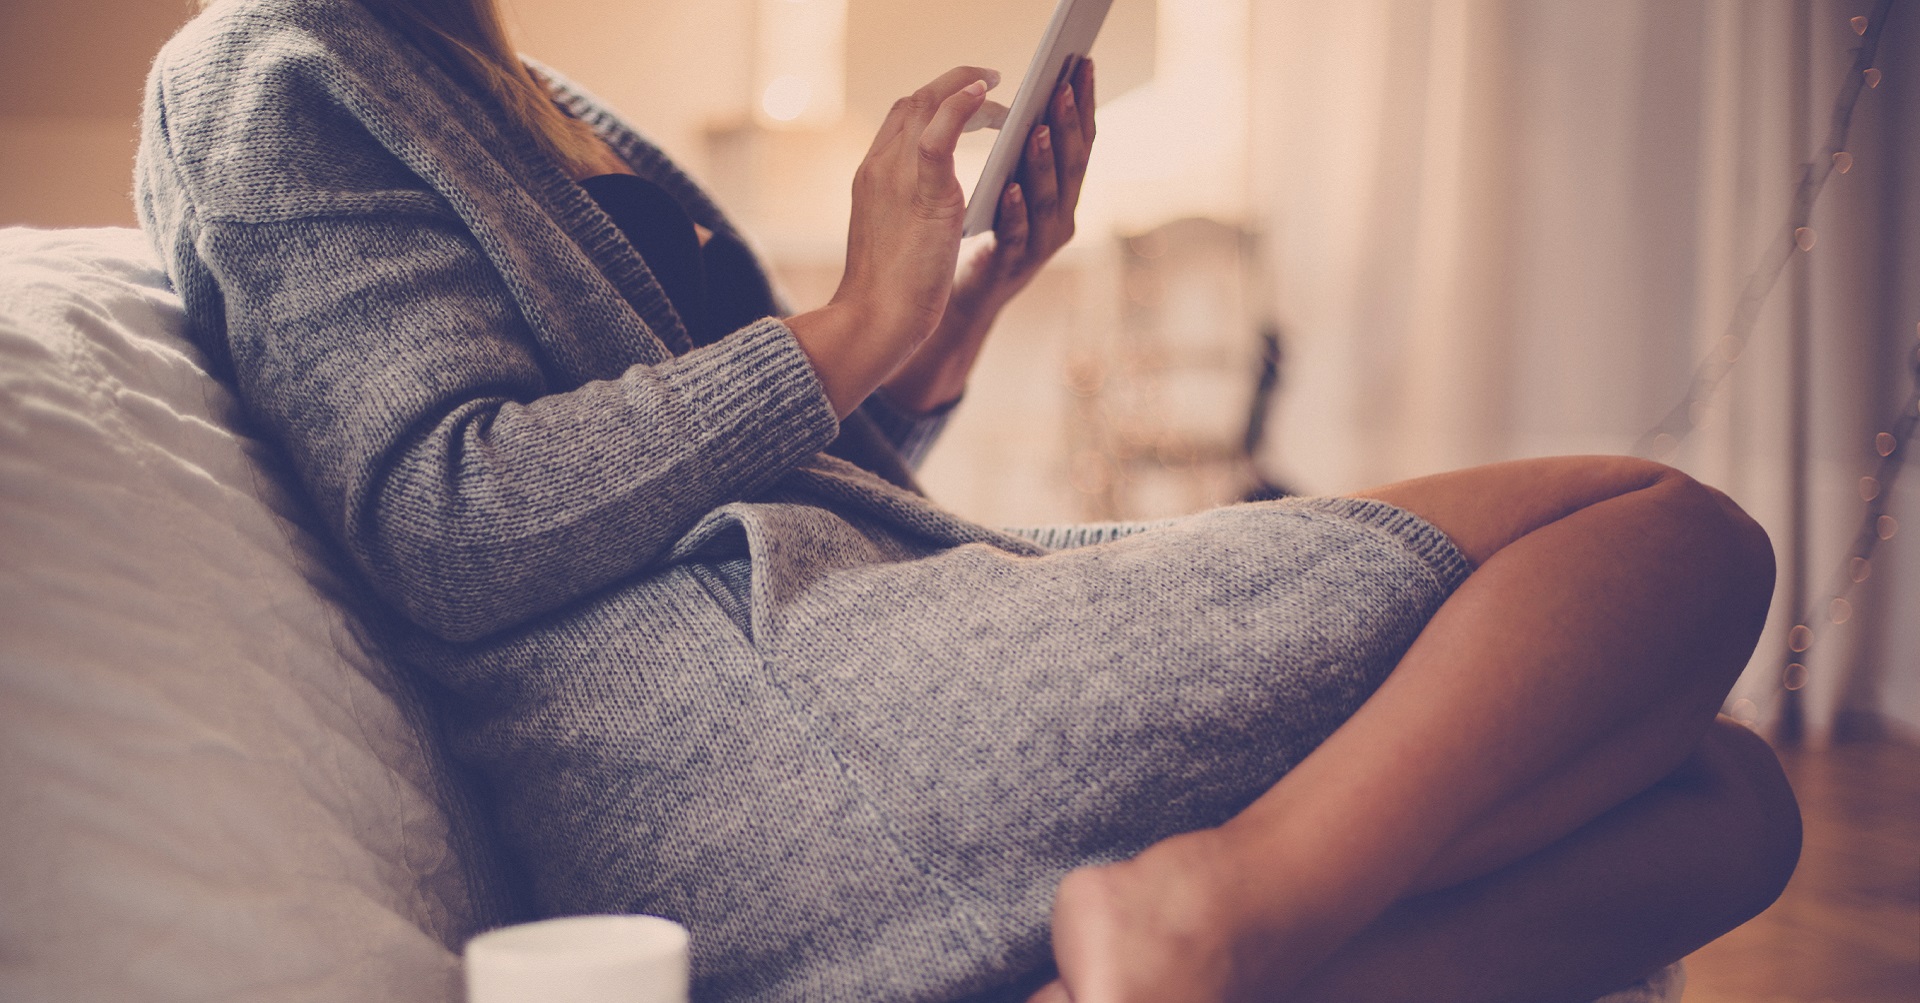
<point x="1705" y="849"/>
<point x="1613" y="604"/>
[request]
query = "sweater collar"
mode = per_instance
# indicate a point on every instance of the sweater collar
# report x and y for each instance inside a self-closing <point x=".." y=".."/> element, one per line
<point x="478" y="118"/>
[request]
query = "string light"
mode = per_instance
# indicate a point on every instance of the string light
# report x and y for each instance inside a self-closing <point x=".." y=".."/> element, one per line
<point x="1664" y="438"/>
<point x="1876" y="527"/>
<point x="1713" y="370"/>
<point x="1800" y="638"/>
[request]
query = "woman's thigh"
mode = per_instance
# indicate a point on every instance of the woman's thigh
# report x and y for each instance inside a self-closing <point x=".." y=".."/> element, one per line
<point x="1483" y="509"/>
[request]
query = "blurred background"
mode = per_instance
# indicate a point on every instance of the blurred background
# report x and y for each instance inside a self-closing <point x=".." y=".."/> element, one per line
<point x="1330" y="244"/>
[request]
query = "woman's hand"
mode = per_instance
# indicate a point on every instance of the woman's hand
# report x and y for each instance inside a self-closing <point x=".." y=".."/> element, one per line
<point x="1036" y="213"/>
<point x="1034" y="221"/>
<point x="902" y="244"/>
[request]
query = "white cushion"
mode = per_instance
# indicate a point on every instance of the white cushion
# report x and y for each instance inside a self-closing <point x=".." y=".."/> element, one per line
<point x="211" y="790"/>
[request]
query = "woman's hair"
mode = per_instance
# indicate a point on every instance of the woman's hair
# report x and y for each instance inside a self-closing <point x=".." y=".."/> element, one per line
<point x="469" y="39"/>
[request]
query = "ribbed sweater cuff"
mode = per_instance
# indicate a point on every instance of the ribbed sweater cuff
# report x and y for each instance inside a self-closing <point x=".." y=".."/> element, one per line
<point x="756" y="391"/>
<point x="912" y="435"/>
<point x="1427" y="541"/>
<point x="1086" y="534"/>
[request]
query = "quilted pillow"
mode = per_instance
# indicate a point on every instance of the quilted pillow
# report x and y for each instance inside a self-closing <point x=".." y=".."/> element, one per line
<point x="212" y="788"/>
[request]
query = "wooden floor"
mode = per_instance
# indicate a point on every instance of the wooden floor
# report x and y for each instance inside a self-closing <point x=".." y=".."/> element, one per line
<point x="1847" y="930"/>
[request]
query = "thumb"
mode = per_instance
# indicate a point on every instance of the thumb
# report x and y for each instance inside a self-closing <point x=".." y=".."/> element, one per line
<point x="943" y="134"/>
<point x="992" y="115"/>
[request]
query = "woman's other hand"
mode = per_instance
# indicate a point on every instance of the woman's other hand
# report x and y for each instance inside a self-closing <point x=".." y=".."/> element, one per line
<point x="1034" y="221"/>
<point x="902" y="244"/>
<point x="1036" y="213"/>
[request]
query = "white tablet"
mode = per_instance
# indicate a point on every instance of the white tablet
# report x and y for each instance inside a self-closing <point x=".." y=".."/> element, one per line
<point x="1069" y="37"/>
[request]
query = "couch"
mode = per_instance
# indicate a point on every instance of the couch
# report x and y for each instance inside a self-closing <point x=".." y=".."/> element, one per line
<point x="211" y="785"/>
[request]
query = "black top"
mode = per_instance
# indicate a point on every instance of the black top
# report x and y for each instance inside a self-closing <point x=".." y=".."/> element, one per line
<point x="713" y="288"/>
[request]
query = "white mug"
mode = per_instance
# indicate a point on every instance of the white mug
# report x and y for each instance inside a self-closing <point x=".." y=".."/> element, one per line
<point x="580" y="959"/>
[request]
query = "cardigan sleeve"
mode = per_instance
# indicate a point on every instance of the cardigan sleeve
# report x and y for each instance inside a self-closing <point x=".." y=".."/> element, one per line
<point x="911" y="435"/>
<point x="383" y="352"/>
<point x="382" y="345"/>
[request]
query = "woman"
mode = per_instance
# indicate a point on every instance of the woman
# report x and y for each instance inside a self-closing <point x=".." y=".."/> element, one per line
<point x="716" y="658"/>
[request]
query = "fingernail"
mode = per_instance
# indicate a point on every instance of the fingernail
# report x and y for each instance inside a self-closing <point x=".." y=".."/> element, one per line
<point x="1044" y="137"/>
<point x="1013" y="193"/>
<point x="1067" y="101"/>
<point x="977" y="88"/>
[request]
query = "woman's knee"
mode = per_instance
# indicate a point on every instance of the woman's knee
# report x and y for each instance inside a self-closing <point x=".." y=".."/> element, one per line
<point x="1759" y="818"/>
<point x="1728" y="548"/>
<point x="1753" y="547"/>
<point x="1486" y="509"/>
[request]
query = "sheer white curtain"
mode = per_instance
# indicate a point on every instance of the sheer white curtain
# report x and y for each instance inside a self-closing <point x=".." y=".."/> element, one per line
<point x="1506" y="228"/>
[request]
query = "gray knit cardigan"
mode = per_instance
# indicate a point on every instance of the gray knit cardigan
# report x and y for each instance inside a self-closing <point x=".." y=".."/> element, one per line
<point x="499" y="417"/>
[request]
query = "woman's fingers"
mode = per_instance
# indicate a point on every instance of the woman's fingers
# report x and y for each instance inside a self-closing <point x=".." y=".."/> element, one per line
<point x="942" y="134"/>
<point x="1083" y="96"/>
<point x="1055" y="166"/>
<point x="1041" y="175"/>
<point x="1070" y="144"/>
<point x="917" y="109"/>
<point x="992" y="115"/>
<point x="1010" y="226"/>
<point x="944" y="85"/>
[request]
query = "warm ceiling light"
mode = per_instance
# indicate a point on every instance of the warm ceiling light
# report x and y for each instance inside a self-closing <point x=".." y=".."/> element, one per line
<point x="800" y="68"/>
<point x="786" y="97"/>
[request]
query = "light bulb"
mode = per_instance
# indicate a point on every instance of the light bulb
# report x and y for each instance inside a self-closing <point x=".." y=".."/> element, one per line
<point x="1800" y="638"/>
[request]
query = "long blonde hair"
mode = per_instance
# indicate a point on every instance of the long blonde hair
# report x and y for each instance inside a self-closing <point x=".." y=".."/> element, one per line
<point x="469" y="38"/>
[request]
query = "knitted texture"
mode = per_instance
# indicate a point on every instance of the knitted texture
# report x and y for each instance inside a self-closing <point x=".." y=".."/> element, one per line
<point x="706" y="670"/>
